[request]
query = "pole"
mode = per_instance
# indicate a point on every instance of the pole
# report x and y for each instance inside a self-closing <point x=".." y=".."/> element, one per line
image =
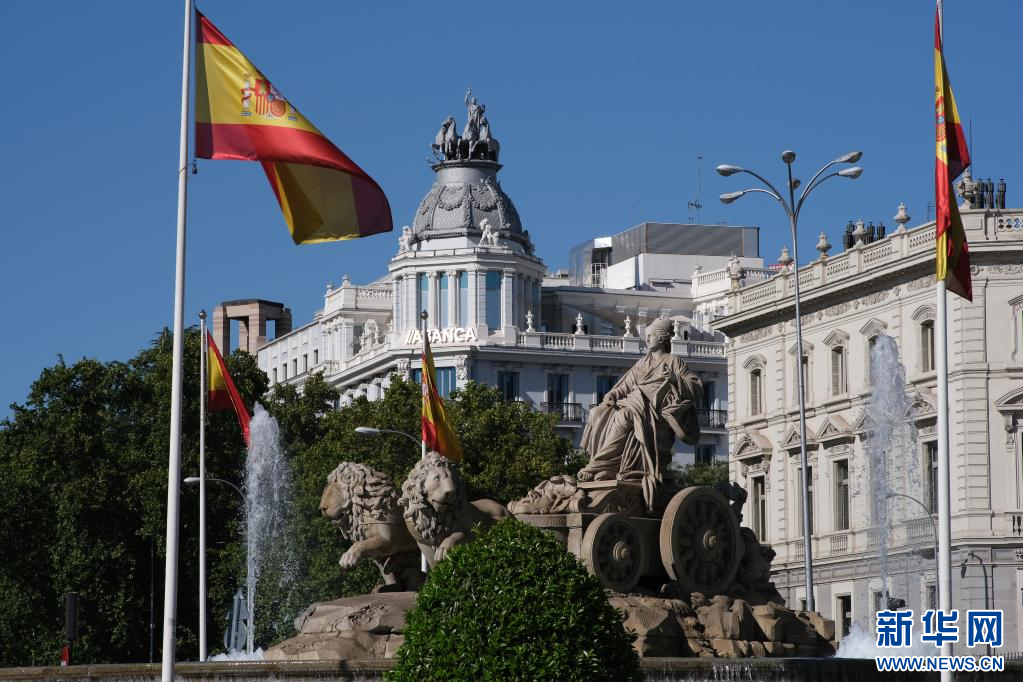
<point x="807" y="530"/>
<point x="202" y="486"/>
<point x="170" y="588"/>
<point x="424" y="316"/>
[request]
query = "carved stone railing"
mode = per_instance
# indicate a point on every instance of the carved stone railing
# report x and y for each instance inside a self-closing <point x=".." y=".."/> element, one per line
<point x="718" y="282"/>
<point x="565" y="341"/>
<point x="838" y="544"/>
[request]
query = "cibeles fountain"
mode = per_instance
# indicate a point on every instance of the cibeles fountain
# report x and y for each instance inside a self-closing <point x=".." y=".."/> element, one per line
<point x="688" y="578"/>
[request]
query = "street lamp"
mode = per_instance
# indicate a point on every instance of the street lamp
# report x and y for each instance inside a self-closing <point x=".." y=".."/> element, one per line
<point x="370" y="431"/>
<point x="195" y="480"/>
<point x="792" y="209"/>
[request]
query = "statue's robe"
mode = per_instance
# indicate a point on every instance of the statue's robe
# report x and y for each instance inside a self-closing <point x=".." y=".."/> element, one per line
<point x="631" y="439"/>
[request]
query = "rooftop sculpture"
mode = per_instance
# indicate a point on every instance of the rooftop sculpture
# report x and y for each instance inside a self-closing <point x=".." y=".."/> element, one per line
<point x="476" y="141"/>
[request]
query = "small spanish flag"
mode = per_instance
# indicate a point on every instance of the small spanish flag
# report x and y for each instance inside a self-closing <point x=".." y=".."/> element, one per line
<point x="221" y="391"/>
<point x="952" y="255"/>
<point x="437" y="432"/>
<point x="239" y="114"/>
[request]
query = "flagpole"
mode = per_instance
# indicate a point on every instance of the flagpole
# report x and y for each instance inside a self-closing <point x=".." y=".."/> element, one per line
<point x="202" y="486"/>
<point x="423" y="316"/>
<point x="944" y="477"/>
<point x="170" y="587"/>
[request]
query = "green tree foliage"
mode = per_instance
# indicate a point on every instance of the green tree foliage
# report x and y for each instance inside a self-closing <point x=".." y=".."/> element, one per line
<point x="83" y="499"/>
<point x="514" y="605"/>
<point x="710" y="474"/>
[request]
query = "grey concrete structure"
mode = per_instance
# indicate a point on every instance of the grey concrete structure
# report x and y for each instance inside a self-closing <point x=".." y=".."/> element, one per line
<point x="252" y="316"/>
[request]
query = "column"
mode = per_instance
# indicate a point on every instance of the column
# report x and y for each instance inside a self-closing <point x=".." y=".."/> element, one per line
<point x="452" y="298"/>
<point x="481" y="298"/>
<point x="413" y="308"/>
<point x="508" y="298"/>
<point x="434" y="303"/>
<point x="397" y="305"/>
<point x="474" y="317"/>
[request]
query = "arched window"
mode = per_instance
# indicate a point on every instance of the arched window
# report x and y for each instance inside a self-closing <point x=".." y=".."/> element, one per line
<point x="756" y="391"/>
<point x="927" y="346"/>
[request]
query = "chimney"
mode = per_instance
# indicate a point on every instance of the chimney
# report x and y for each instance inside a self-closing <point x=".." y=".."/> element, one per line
<point x="1000" y="194"/>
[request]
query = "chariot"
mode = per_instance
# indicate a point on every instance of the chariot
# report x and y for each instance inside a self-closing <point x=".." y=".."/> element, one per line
<point x="691" y="537"/>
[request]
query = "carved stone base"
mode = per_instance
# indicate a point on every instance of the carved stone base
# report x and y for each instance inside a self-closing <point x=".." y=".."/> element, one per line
<point x="363" y="627"/>
<point x="565" y="495"/>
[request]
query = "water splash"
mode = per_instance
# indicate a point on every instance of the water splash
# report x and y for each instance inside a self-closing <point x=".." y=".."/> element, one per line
<point x="268" y="494"/>
<point x="859" y="643"/>
<point x="236" y="655"/>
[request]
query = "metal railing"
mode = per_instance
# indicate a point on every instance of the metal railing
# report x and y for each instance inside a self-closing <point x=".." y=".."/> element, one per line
<point x="712" y="419"/>
<point x="567" y="412"/>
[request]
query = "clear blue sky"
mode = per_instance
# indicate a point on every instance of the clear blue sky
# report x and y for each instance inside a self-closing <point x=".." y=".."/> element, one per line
<point x="601" y="109"/>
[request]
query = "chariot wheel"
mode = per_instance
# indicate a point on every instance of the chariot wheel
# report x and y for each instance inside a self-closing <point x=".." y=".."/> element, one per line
<point x="613" y="550"/>
<point x="700" y="542"/>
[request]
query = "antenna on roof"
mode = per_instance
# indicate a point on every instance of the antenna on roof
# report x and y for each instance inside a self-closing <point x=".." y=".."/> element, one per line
<point x="695" y="205"/>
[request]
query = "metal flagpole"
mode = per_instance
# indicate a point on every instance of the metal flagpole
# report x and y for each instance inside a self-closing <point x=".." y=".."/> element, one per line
<point x="423" y="316"/>
<point x="203" y="390"/>
<point x="170" y="586"/>
<point x="944" y="477"/>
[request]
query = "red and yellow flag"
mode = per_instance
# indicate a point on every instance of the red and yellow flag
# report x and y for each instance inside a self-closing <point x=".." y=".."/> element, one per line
<point x="239" y="114"/>
<point x="952" y="258"/>
<point x="437" y="432"/>
<point x="221" y="391"/>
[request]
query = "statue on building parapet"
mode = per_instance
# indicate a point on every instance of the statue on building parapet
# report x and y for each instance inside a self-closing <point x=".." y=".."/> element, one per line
<point x="405" y="240"/>
<point x="489" y="236"/>
<point x="629" y="436"/>
<point x="476" y="141"/>
<point x="446" y="142"/>
<point x="370" y="334"/>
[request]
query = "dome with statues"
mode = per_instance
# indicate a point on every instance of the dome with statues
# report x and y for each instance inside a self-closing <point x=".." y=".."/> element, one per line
<point x="466" y="199"/>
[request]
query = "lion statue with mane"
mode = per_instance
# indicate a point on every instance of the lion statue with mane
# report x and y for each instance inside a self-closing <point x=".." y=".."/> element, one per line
<point x="437" y="512"/>
<point x="363" y="504"/>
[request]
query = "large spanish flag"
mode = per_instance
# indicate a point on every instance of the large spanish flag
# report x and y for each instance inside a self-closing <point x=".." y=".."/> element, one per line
<point x="952" y="258"/>
<point x="239" y="114"/>
<point x="221" y="391"/>
<point x="437" y="432"/>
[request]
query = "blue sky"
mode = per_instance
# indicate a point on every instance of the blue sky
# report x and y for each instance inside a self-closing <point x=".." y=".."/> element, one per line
<point x="601" y="109"/>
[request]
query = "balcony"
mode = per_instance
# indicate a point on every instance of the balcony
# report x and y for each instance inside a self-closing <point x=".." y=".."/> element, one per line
<point x="712" y="419"/>
<point x="567" y="412"/>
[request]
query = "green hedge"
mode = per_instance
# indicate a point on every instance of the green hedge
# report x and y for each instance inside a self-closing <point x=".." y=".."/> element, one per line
<point x="514" y="605"/>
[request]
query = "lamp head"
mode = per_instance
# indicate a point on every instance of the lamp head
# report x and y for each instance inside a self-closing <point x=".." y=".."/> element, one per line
<point x="367" y="431"/>
<point x="728" y="169"/>
<point x="788" y="156"/>
<point x="730" y="197"/>
<point x="423" y="315"/>
<point x="192" y="480"/>
<point x="851" y="157"/>
<point x="851" y="173"/>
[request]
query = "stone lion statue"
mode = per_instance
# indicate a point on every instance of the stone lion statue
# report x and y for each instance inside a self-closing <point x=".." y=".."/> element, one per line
<point x="363" y="504"/>
<point x="437" y="512"/>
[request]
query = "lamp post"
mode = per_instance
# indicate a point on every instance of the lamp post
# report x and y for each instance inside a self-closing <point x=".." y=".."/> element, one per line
<point x="792" y="209"/>
<point x="370" y="431"/>
<point x="195" y="480"/>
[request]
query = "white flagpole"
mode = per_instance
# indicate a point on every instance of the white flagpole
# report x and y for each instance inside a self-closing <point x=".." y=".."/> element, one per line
<point x="170" y="587"/>
<point x="423" y="316"/>
<point x="202" y="486"/>
<point x="944" y="477"/>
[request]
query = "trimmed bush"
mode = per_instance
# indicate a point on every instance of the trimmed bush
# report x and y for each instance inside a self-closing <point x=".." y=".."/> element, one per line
<point x="514" y="605"/>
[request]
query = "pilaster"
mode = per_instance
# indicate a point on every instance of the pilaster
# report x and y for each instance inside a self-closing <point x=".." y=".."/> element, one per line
<point x="433" y="307"/>
<point x="452" y="298"/>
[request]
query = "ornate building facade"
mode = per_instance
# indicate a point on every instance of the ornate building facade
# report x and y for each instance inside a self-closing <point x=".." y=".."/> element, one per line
<point x="848" y="300"/>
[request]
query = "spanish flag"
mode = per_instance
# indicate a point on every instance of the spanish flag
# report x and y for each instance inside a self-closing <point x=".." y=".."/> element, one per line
<point x="239" y="114"/>
<point x="221" y="391"/>
<point x="952" y="258"/>
<point x="437" y="432"/>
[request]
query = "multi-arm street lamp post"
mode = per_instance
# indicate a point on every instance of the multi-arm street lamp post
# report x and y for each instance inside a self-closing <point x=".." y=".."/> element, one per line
<point x="370" y="431"/>
<point x="792" y="209"/>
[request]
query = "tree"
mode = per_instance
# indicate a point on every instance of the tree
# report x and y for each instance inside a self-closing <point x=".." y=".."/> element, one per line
<point x="702" y="473"/>
<point x="83" y="476"/>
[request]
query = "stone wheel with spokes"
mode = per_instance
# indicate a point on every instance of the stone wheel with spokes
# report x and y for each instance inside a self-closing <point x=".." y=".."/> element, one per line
<point x="613" y="550"/>
<point x="700" y="542"/>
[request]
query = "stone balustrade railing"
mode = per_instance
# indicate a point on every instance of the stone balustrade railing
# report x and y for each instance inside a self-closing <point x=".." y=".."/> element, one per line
<point x="717" y="281"/>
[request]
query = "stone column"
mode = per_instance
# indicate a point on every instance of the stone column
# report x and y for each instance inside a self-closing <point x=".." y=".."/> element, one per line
<point x="397" y="304"/>
<point x="414" y="307"/>
<point x="508" y="299"/>
<point x="481" y="298"/>
<point x="452" y="298"/>
<point x="473" y="317"/>
<point x="537" y="303"/>
<point x="347" y="338"/>
<point x="434" y="300"/>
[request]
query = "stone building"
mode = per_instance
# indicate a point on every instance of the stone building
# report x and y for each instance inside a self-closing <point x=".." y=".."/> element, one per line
<point x="556" y="341"/>
<point x="885" y="286"/>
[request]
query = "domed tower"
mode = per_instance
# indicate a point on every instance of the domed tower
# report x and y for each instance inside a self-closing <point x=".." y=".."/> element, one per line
<point x="466" y="259"/>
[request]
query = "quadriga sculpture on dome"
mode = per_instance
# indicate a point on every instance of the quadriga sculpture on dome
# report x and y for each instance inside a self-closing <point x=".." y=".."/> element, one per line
<point x="436" y="508"/>
<point x="363" y="504"/>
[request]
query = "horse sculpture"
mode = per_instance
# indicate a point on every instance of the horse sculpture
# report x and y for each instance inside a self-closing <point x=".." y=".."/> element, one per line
<point x="446" y="142"/>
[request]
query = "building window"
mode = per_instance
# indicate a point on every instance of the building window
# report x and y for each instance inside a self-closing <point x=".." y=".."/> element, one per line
<point x="446" y="380"/>
<point x="931" y="474"/>
<point x="316" y="357"/>
<point x="305" y="362"/>
<point x="705" y="454"/>
<point x="845" y="614"/>
<point x="445" y="309"/>
<point x="930" y="597"/>
<point x="871" y="342"/>
<point x="838" y="374"/>
<point x="760" y="508"/>
<point x="424" y="293"/>
<point x="604" y="386"/>
<point x="756" y="392"/>
<point x="927" y="346"/>
<point x="799" y="496"/>
<point x="275" y="375"/>
<point x="493" y="300"/>
<point x="557" y="388"/>
<point x="284" y="372"/>
<point x="707" y="402"/>
<point x="463" y="299"/>
<point x="294" y="367"/>
<point x="842" y="494"/>
<point x="508" y="385"/>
